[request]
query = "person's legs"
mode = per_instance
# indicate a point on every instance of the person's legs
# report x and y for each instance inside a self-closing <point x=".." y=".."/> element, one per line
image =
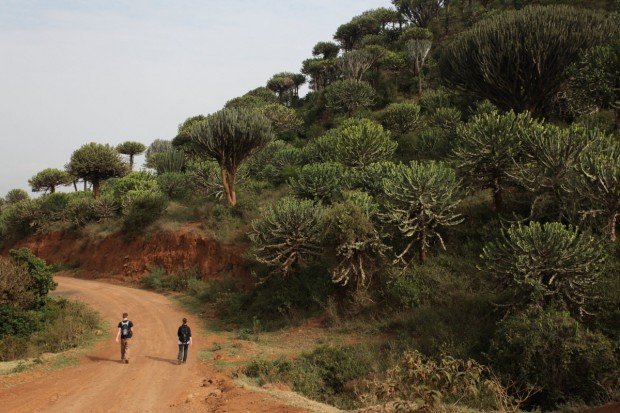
<point x="180" y="356"/>
<point x="125" y="351"/>
<point x="185" y="351"/>
<point x="123" y="348"/>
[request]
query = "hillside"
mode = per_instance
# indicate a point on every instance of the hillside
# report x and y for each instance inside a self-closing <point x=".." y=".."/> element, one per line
<point x="447" y="194"/>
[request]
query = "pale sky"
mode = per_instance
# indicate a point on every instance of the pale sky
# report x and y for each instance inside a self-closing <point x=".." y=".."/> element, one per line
<point x="76" y="71"/>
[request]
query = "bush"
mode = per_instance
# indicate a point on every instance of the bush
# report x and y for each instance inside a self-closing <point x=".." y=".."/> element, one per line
<point x="118" y="187"/>
<point x="553" y="351"/>
<point x="324" y="374"/>
<point x="60" y="325"/>
<point x="38" y="270"/>
<point x="14" y="348"/>
<point x="403" y="291"/>
<point x="17" y="322"/>
<point x="66" y="325"/>
<point x="79" y="210"/>
<point x="142" y="208"/>
<point x="349" y="96"/>
<point x="176" y="185"/>
<point x="401" y="118"/>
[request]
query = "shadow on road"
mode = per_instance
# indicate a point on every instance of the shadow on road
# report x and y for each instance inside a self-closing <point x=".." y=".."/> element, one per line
<point x="100" y="359"/>
<point x="171" y="361"/>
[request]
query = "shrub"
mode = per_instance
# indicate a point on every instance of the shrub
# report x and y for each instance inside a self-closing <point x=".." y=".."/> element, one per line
<point x="79" y="211"/>
<point x="16" y="195"/>
<point x="349" y="96"/>
<point x="401" y="118"/>
<point x="135" y="181"/>
<point x="53" y="206"/>
<point x="419" y="384"/>
<point x="38" y="270"/>
<point x="16" y="285"/>
<point x="552" y="351"/>
<point x="323" y="374"/>
<point x="320" y="181"/>
<point x="142" y="208"/>
<point x="176" y="185"/>
<point x="16" y="322"/>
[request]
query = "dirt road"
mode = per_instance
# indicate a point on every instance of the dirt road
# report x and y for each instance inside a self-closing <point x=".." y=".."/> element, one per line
<point x="151" y="382"/>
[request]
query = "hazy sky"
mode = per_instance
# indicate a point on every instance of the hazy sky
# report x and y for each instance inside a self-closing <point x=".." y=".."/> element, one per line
<point x="77" y="71"/>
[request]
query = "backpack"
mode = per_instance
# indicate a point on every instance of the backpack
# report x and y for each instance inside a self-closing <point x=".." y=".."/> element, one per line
<point x="184" y="334"/>
<point x="125" y="329"/>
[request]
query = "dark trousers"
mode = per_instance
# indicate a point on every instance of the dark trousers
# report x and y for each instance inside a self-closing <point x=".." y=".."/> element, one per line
<point x="183" y="350"/>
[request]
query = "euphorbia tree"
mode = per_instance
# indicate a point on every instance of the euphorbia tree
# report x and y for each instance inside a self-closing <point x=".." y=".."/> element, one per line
<point x="48" y="179"/>
<point x="486" y="149"/>
<point x="422" y="199"/>
<point x="599" y="182"/>
<point x="230" y="136"/>
<point x="95" y="163"/>
<point x="419" y="42"/>
<point x="518" y="59"/>
<point x="538" y="263"/>
<point x="131" y="149"/>
<point x="288" y="234"/>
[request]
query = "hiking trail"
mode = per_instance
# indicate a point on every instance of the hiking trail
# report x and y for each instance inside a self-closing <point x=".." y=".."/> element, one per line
<point x="151" y="382"/>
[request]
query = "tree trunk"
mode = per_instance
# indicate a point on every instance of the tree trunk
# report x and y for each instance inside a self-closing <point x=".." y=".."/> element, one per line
<point x="498" y="200"/>
<point x="228" y="181"/>
<point x="130" y="162"/>
<point x="52" y="189"/>
<point x="75" y="186"/>
<point x="423" y="249"/>
<point x="96" y="188"/>
<point x="85" y="185"/>
<point x="420" y="83"/>
<point x="612" y="227"/>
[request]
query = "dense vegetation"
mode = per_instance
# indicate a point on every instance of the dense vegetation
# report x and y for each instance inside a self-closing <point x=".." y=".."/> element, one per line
<point x="451" y="182"/>
<point x="31" y="323"/>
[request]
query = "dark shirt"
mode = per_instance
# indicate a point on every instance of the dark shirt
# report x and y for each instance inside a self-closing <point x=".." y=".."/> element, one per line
<point x="180" y="334"/>
<point x="120" y="325"/>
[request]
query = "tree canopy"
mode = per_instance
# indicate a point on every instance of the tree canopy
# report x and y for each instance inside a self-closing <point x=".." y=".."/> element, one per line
<point x="95" y="163"/>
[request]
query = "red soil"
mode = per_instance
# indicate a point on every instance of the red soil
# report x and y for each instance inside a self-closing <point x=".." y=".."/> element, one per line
<point x="115" y="257"/>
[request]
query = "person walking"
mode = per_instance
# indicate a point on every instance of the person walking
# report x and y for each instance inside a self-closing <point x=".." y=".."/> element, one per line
<point x="184" y="333"/>
<point x="125" y="332"/>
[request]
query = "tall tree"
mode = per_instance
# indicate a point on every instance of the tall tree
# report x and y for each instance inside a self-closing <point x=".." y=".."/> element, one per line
<point x="48" y="179"/>
<point x="326" y="50"/>
<point x="418" y="45"/>
<point x="421" y="200"/>
<point x="486" y="149"/>
<point x="518" y="59"/>
<point x="131" y="149"/>
<point x="95" y="163"/>
<point x="419" y="12"/>
<point x="230" y="136"/>
<point x="286" y="86"/>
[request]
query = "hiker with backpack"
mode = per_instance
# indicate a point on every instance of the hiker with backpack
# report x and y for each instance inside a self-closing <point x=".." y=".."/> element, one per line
<point x="125" y="332"/>
<point x="185" y="340"/>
